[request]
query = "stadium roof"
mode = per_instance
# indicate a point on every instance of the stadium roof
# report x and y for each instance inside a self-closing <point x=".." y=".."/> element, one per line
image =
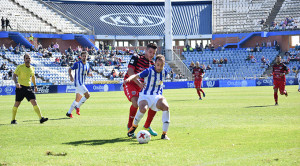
<point x="119" y="19"/>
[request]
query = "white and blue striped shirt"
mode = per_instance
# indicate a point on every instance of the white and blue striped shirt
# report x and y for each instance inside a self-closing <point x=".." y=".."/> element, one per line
<point x="154" y="81"/>
<point x="81" y="71"/>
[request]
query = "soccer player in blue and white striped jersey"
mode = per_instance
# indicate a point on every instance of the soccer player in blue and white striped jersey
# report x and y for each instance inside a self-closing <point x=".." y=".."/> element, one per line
<point x="151" y="95"/>
<point x="82" y="69"/>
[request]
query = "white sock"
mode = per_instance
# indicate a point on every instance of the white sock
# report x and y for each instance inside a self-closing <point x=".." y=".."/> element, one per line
<point x="82" y="100"/>
<point x="138" y="117"/>
<point x="72" y="106"/>
<point x="165" y="120"/>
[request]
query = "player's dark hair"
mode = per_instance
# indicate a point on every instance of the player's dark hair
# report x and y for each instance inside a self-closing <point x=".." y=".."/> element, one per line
<point x="152" y="45"/>
<point x="84" y="52"/>
<point x="160" y="57"/>
<point x="278" y="56"/>
<point x="25" y="55"/>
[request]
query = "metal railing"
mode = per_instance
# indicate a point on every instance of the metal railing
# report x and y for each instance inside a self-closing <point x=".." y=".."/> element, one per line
<point x="181" y="66"/>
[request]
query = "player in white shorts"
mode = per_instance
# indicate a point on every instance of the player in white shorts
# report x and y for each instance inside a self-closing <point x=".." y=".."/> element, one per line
<point x="151" y="95"/>
<point x="298" y="75"/>
<point x="82" y="69"/>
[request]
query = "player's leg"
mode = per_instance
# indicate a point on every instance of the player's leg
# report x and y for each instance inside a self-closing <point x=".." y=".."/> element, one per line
<point x="275" y="94"/>
<point x="19" y="97"/>
<point x="38" y="111"/>
<point x="83" y="91"/>
<point x="14" y="112"/>
<point x="150" y="117"/>
<point x="132" y="94"/>
<point x="201" y="90"/>
<point x="73" y="105"/>
<point x="143" y="106"/>
<point x="282" y="89"/>
<point x="163" y="105"/>
<point x="299" y="83"/>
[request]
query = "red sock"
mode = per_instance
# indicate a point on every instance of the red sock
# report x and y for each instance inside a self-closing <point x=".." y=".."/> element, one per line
<point x="276" y="96"/>
<point x="132" y="113"/>
<point x="199" y="94"/>
<point x="150" y="117"/>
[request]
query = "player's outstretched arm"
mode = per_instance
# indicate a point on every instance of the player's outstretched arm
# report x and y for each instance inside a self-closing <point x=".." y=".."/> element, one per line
<point x="132" y="78"/>
<point x="70" y="75"/>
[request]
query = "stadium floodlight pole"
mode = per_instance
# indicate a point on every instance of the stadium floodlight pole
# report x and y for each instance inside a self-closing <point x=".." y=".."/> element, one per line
<point x="168" y="31"/>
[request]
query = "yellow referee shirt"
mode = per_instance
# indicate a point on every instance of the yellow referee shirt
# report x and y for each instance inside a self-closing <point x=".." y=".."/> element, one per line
<point x="24" y="74"/>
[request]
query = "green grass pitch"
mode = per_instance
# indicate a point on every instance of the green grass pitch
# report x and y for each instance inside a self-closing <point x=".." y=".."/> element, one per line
<point x="230" y="126"/>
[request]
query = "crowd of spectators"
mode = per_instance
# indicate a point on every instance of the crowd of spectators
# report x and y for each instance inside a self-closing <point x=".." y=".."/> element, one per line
<point x="289" y="23"/>
<point x="200" y="48"/>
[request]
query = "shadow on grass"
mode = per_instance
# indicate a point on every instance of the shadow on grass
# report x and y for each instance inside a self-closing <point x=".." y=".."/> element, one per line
<point x="100" y="142"/>
<point x="48" y="119"/>
<point x="259" y="106"/>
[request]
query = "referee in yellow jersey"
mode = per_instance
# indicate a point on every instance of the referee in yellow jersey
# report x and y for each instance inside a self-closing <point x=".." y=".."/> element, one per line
<point x="23" y="88"/>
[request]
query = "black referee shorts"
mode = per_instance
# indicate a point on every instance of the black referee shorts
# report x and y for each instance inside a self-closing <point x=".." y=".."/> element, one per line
<point x="24" y="91"/>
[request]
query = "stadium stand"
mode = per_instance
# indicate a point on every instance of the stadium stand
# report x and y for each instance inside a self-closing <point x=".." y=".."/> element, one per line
<point x="237" y="67"/>
<point x="240" y="16"/>
<point x="186" y="17"/>
<point x="290" y="8"/>
<point x="33" y="16"/>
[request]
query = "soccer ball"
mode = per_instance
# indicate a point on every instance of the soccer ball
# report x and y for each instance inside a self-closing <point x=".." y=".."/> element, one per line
<point x="143" y="136"/>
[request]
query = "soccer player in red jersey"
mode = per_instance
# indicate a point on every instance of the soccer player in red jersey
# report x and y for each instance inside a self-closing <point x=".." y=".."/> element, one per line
<point x="132" y="89"/>
<point x="198" y="74"/>
<point x="279" y="72"/>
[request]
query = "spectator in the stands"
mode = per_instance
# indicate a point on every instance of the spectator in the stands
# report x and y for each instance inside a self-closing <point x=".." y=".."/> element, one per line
<point x="56" y="60"/>
<point x="263" y="44"/>
<point x="225" y="60"/>
<point x="208" y="67"/>
<point x="10" y="48"/>
<point x="40" y="47"/>
<point x="269" y="44"/>
<point x="268" y="62"/>
<point x="2" y="24"/>
<point x="206" y="47"/>
<point x="297" y="47"/>
<point x="192" y="66"/>
<point x="212" y="48"/>
<point x="263" y="60"/>
<point x="258" y="49"/>
<point x="70" y="51"/>
<point x="3" y="66"/>
<point x="262" y="21"/>
<point x="17" y="49"/>
<point x="252" y="58"/>
<point x="294" y="69"/>
<point x="7" y="24"/>
<point x="32" y="49"/>
<point x="221" y="61"/>
<point x="187" y="47"/>
<point x="214" y="61"/>
<point x="275" y="43"/>
<point x="277" y="47"/>
<point x="4" y="77"/>
<point x="31" y="38"/>
<point x="198" y="47"/>
<point x="3" y="48"/>
<point x="10" y="73"/>
<point x="56" y="47"/>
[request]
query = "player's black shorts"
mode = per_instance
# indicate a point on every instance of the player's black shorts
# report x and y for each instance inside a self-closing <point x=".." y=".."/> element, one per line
<point x="24" y="91"/>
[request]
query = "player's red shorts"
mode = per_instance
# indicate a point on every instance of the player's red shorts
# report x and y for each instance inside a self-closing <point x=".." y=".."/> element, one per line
<point x="130" y="90"/>
<point x="280" y="85"/>
<point x="198" y="84"/>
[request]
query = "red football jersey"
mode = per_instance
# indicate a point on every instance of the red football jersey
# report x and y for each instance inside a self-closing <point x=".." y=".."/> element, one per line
<point x="138" y="64"/>
<point x="197" y="72"/>
<point x="279" y="71"/>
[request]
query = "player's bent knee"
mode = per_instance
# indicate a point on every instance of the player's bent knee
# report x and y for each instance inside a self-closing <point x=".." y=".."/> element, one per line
<point x="87" y="96"/>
